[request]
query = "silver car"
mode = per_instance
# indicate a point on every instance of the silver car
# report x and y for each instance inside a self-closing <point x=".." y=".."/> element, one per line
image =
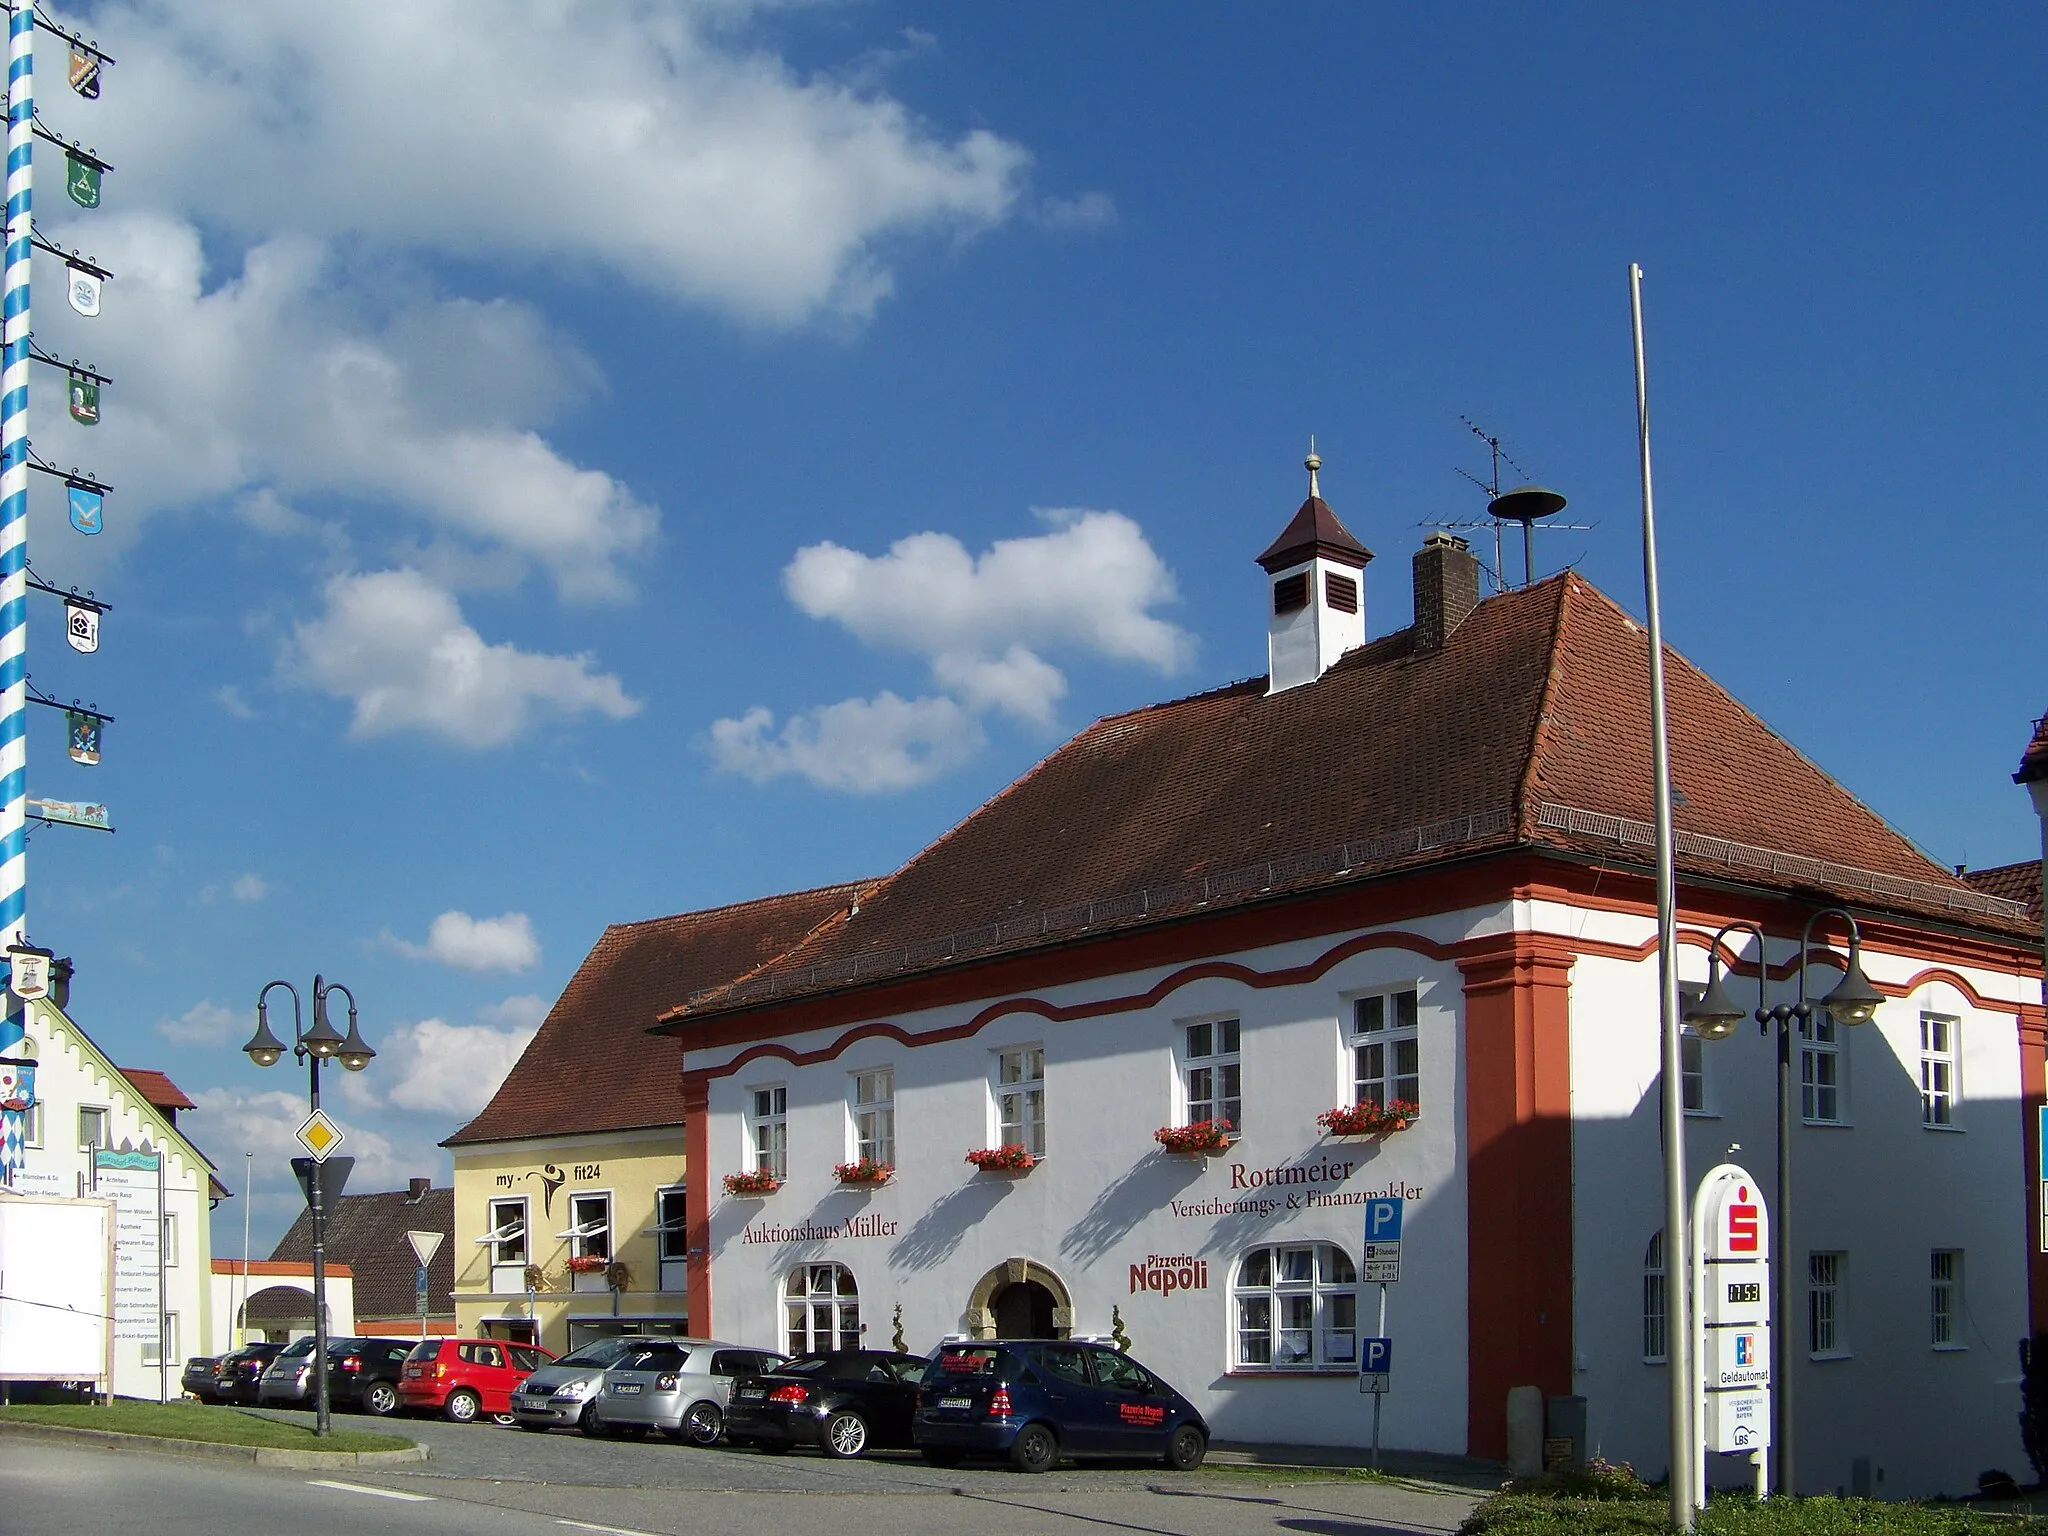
<point x="678" y="1386"/>
<point x="560" y="1395"/>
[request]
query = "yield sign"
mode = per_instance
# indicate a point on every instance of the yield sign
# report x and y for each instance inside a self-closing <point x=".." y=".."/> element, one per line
<point x="424" y="1246"/>
<point x="319" y="1135"/>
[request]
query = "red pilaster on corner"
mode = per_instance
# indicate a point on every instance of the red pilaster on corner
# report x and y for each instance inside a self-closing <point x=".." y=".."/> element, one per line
<point x="2033" y="1094"/>
<point x="697" y="1179"/>
<point x="1518" y="1178"/>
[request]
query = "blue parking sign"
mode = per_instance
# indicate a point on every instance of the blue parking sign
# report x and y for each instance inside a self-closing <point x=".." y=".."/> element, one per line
<point x="1383" y="1219"/>
<point x="1375" y="1355"/>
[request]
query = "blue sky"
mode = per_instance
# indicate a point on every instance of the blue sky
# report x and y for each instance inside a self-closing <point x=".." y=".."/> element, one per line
<point x="580" y="462"/>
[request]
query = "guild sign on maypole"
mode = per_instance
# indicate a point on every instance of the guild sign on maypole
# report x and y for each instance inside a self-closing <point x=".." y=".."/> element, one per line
<point x="84" y="173"/>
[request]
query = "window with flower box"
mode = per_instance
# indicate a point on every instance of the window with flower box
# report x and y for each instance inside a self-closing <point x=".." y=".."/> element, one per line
<point x="590" y="1240"/>
<point x="874" y="1116"/>
<point x="1020" y="1098"/>
<point x="1211" y="1080"/>
<point x="1385" y="1048"/>
<point x="1295" y="1308"/>
<point x="768" y="1131"/>
<point x="821" y="1308"/>
<point x="504" y="1240"/>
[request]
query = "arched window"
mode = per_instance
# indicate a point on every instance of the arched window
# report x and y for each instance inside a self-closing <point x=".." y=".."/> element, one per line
<point x="1656" y="1307"/>
<point x="1296" y="1309"/>
<point x="822" y="1307"/>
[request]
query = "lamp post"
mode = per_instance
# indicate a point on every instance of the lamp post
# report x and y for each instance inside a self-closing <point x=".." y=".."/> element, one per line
<point x="313" y="1046"/>
<point x="1714" y="1016"/>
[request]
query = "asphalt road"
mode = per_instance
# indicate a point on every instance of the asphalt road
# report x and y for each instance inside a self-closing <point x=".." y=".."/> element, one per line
<point x="505" y="1483"/>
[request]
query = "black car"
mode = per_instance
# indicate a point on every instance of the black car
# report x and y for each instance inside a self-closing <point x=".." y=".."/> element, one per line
<point x="365" y="1375"/>
<point x="200" y="1371"/>
<point x="844" y="1402"/>
<point x="239" y="1372"/>
<point x="1036" y="1400"/>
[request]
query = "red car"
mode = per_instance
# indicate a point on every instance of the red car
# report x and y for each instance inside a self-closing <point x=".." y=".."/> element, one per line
<point x="465" y="1378"/>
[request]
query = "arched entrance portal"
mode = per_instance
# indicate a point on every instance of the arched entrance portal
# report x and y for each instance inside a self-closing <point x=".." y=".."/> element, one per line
<point x="1024" y="1310"/>
<point x="1020" y="1299"/>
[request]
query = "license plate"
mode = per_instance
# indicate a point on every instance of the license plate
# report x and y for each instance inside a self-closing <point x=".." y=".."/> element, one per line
<point x="750" y="1393"/>
<point x="956" y="1402"/>
<point x="529" y="1402"/>
<point x="627" y="1388"/>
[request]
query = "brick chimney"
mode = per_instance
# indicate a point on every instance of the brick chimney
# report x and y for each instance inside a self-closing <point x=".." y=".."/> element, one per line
<point x="417" y="1190"/>
<point x="1446" y="589"/>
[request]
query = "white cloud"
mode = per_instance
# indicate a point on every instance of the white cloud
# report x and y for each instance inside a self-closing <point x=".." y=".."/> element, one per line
<point x="477" y="943"/>
<point x="231" y="1121"/>
<point x="1017" y="682"/>
<point x="284" y="382"/>
<point x="230" y="699"/>
<point x="446" y="1069"/>
<point x="864" y="746"/>
<point x="594" y="141"/>
<point x="249" y="888"/>
<point x="525" y="1011"/>
<point x="207" y="1023"/>
<point x="395" y="645"/>
<point x="1091" y="210"/>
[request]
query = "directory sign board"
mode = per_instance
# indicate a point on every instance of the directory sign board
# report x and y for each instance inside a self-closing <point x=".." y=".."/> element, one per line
<point x="1732" y="1268"/>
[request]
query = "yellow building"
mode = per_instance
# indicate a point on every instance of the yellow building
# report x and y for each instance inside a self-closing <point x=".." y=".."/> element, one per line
<point x="570" y="1217"/>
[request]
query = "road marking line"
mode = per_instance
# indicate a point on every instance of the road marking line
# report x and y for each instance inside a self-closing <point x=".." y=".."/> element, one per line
<point x="381" y="1493"/>
<point x="607" y="1530"/>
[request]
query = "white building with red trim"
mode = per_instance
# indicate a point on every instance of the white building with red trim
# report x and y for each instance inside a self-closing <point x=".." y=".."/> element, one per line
<point x="1418" y="871"/>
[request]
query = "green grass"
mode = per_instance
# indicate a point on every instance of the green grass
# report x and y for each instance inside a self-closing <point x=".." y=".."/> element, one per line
<point x="195" y="1421"/>
<point x="1549" y="1514"/>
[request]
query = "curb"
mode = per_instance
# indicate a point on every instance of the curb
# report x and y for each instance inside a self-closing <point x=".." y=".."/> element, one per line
<point x="207" y="1450"/>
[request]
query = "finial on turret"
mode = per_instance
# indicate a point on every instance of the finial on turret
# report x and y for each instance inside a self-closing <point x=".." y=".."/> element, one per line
<point x="1312" y="464"/>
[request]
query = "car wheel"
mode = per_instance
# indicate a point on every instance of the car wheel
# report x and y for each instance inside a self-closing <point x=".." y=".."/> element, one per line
<point x="462" y="1406"/>
<point x="939" y="1455"/>
<point x="532" y="1429"/>
<point x="1184" y="1452"/>
<point x="703" y="1424"/>
<point x="589" y="1422"/>
<point x="503" y="1420"/>
<point x="846" y="1435"/>
<point x="1035" y="1449"/>
<point x="380" y="1398"/>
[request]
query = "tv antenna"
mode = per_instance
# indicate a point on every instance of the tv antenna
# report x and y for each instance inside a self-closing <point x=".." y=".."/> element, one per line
<point x="1524" y="504"/>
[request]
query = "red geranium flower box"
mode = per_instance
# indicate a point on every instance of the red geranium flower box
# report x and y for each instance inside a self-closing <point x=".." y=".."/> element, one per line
<point x="1008" y="1158"/>
<point x="1202" y="1136"/>
<point x="1369" y="1119"/>
<point x="745" y="1184"/>
<point x="865" y="1171"/>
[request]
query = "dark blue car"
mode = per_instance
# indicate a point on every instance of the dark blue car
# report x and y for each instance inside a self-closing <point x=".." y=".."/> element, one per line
<point x="1036" y="1400"/>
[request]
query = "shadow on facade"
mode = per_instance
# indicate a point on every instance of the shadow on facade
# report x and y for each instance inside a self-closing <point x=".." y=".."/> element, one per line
<point x="934" y="1235"/>
<point x="1134" y="1195"/>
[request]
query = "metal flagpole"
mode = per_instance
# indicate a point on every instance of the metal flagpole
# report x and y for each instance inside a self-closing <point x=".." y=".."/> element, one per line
<point x="14" y="368"/>
<point x="248" y="1201"/>
<point x="1677" y="1270"/>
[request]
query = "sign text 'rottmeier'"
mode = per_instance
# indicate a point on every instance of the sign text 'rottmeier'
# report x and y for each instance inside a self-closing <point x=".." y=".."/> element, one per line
<point x="820" y="1231"/>
<point x="1293" y="1187"/>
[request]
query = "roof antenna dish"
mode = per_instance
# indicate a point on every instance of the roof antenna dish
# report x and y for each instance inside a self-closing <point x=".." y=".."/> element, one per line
<point x="1525" y="504"/>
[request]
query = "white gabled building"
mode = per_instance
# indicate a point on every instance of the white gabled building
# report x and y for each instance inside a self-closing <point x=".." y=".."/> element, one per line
<point x="1421" y="872"/>
<point x="96" y="1129"/>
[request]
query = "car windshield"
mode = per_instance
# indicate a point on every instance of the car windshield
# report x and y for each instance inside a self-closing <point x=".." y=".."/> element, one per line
<point x="968" y="1360"/>
<point x="426" y="1349"/>
<point x="601" y="1352"/>
<point x="297" y="1347"/>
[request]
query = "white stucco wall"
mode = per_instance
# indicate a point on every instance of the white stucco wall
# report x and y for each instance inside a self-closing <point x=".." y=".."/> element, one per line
<point x="1881" y="1188"/>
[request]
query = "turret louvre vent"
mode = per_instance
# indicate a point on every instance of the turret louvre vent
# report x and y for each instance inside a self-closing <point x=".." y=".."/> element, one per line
<point x="1341" y="593"/>
<point x="1290" y="593"/>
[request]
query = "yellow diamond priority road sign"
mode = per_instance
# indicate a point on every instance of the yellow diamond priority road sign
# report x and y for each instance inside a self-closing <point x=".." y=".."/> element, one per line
<point x="319" y="1135"/>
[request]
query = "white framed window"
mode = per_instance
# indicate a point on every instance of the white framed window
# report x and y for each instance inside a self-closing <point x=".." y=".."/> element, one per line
<point x="166" y="1346"/>
<point x="1827" y="1309"/>
<point x="1656" y="1303"/>
<point x="768" y="1130"/>
<point x="671" y="1224"/>
<point x="1938" y="1084"/>
<point x="874" y="1115"/>
<point x="506" y="1236"/>
<point x="1945" y="1298"/>
<point x="1020" y="1098"/>
<point x="1692" y="1071"/>
<point x="590" y="1225"/>
<point x="1386" y="1053"/>
<point x="1820" y="1070"/>
<point x="1295" y="1308"/>
<point x="92" y="1127"/>
<point x="821" y="1308"/>
<point x="32" y="1125"/>
<point x="170" y="1239"/>
<point x="1211" y="1080"/>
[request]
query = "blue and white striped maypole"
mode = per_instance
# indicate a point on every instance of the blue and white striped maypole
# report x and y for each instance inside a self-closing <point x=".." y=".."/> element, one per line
<point x="14" y="366"/>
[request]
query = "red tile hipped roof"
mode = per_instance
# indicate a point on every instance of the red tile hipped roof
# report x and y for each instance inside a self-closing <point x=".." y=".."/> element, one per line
<point x="1529" y="728"/>
<point x="1314" y="530"/>
<point x="158" y="1089"/>
<point x="592" y="1066"/>
<point x="2015" y="882"/>
<point x="367" y="1232"/>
